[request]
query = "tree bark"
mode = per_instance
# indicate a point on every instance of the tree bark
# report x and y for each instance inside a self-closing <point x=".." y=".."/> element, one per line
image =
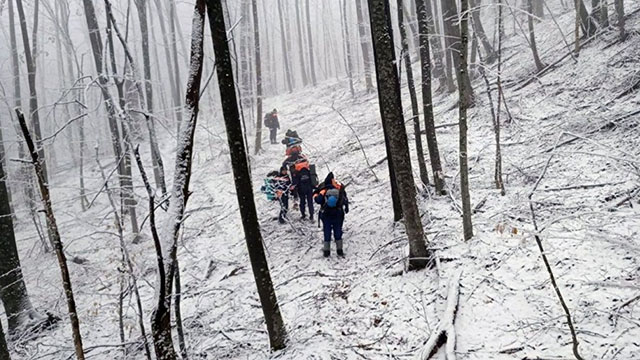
<point x="345" y="26"/>
<point x="463" y="106"/>
<point x="391" y="113"/>
<point x="452" y="33"/>
<point x="13" y="291"/>
<point x="479" y="29"/>
<point x="4" y="350"/>
<point x="55" y="234"/>
<point x="176" y="64"/>
<point x="532" y="37"/>
<point x="244" y="191"/>
<point x="258" y="72"/>
<point x="427" y="101"/>
<point x="158" y="166"/>
<point x="285" y="52"/>
<point x="31" y="76"/>
<point x="619" y="5"/>
<point x="303" y="66"/>
<point x="312" y="67"/>
<point x="424" y="177"/>
<point x="588" y="24"/>
<point x="365" y="45"/>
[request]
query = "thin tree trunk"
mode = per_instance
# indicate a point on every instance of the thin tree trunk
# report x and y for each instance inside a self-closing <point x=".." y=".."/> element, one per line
<point x="266" y="291"/>
<point x="498" y="163"/>
<point x="588" y="24"/>
<point x="177" y="308"/>
<point x="365" y="45"/>
<point x="424" y="177"/>
<point x="452" y="33"/>
<point x="532" y="37"/>
<point x="177" y="100"/>
<point x="391" y="113"/>
<point x="31" y="76"/>
<point x="619" y="4"/>
<point x="479" y="29"/>
<point x="158" y="166"/>
<point x="427" y="105"/>
<point x="161" y="317"/>
<point x="258" y="72"/>
<point x="285" y="52"/>
<point x="345" y="27"/>
<point x="303" y="67"/>
<point x="53" y="229"/>
<point x="442" y="68"/>
<point x="312" y="67"/>
<point x="175" y="95"/>
<point x="463" y="106"/>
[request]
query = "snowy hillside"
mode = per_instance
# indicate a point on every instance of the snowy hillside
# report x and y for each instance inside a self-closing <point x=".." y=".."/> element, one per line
<point x="568" y="123"/>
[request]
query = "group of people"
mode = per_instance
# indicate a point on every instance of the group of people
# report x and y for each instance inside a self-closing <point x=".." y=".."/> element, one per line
<point x="297" y="179"/>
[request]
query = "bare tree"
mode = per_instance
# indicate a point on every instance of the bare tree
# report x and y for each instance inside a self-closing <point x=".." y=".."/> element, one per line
<point x="463" y="106"/>
<point x="588" y="24"/>
<point x="452" y="33"/>
<point x="427" y="105"/>
<point x="29" y="55"/>
<point x="365" y="45"/>
<point x="303" y="66"/>
<point x="391" y="113"/>
<point x="479" y="29"/>
<point x="244" y="191"/>
<point x="285" y="52"/>
<point x="619" y="5"/>
<point x="13" y="291"/>
<point x="158" y="166"/>
<point x="258" y="72"/>
<point x="424" y="177"/>
<point x="532" y="37"/>
<point x="55" y="237"/>
<point x="347" y="40"/>
<point x="312" y="66"/>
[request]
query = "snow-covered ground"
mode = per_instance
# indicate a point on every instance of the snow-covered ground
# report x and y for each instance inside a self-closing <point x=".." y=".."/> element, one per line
<point x="365" y="306"/>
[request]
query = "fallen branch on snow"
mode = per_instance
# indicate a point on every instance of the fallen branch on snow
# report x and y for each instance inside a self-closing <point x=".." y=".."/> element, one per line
<point x="445" y="332"/>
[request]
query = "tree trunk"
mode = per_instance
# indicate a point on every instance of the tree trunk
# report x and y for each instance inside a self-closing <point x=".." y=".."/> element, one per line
<point x="13" y="291"/>
<point x="452" y="33"/>
<point x="391" y="113"/>
<point x="619" y="4"/>
<point x="479" y="29"/>
<point x="312" y="67"/>
<point x="31" y="76"/>
<point x="538" y="9"/>
<point x="177" y="100"/>
<point x="4" y="350"/>
<point x="365" y="45"/>
<point x="244" y="191"/>
<point x="463" y="106"/>
<point x="303" y="66"/>
<point x="498" y="161"/>
<point x="55" y="234"/>
<point x="345" y="27"/>
<point x="412" y="94"/>
<point x="158" y="166"/>
<point x="258" y="72"/>
<point x="588" y="24"/>
<point x="532" y="37"/>
<point x="285" y="53"/>
<point x="427" y="105"/>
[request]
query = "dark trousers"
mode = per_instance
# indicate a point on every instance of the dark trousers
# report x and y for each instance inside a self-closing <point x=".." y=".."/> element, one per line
<point x="306" y="199"/>
<point x="332" y="224"/>
<point x="273" y="133"/>
<point x="284" y="207"/>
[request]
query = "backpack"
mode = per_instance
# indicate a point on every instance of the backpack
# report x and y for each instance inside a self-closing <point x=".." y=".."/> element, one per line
<point x="314" y="175"/>
<point x="268" y="120"/>
<point x="268" y="189"/>
<point x="332" y="198"/>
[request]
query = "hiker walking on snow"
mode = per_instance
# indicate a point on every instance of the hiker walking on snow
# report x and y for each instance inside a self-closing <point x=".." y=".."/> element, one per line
<point x="281" y="185"/>
<point x="271" y="121"/>
<point x="303" y="184"/>
<point x="334" y="205"/>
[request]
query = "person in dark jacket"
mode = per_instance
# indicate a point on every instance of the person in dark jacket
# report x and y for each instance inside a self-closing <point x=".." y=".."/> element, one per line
<point x="271" y="121"/>
<point x="281" y="185"/>
<point x="332" y="198"/>
<point x="303" y="185"/>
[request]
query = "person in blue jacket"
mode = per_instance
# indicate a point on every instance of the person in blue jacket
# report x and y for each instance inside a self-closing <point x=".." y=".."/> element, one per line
<point x="334" y="204"/>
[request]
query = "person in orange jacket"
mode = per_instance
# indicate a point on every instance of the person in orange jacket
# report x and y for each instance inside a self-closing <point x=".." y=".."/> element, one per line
<point x="332" y="198"/>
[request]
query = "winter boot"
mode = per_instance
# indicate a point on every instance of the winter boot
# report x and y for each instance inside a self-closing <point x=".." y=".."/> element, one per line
<point x="326" y="250"/>
<point x="339" y="248"/>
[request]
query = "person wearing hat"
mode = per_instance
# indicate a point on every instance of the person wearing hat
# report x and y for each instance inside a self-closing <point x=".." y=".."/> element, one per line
<point x="271" y="121"/>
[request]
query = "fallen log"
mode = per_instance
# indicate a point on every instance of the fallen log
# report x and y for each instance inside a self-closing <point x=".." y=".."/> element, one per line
<point x="445" y="332"/>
